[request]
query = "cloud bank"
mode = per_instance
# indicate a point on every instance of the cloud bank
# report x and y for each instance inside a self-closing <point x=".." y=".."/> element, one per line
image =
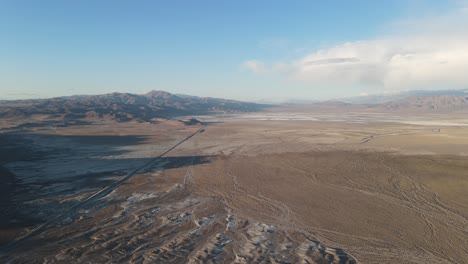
<point x="429" y="53"/>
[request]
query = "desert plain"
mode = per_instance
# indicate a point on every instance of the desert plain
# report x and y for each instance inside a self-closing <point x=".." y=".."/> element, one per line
<point x="281" y="186"/>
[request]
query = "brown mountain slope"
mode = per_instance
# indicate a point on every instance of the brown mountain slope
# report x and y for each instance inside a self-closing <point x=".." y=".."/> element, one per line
<point x="122" y="107"/>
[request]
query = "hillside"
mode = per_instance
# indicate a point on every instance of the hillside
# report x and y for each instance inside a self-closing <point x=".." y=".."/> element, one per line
<point x="122" y="107"/>
<point x="429" y="103"/>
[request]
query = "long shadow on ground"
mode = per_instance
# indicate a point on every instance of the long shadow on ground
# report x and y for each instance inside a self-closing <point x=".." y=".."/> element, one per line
<point x="29" y="195"/>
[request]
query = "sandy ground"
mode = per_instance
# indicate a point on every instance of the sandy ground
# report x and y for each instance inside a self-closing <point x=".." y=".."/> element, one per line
<point x="243" y="189"/>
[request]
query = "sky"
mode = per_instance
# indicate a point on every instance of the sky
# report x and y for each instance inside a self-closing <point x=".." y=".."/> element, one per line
<point x="246" y="50"/>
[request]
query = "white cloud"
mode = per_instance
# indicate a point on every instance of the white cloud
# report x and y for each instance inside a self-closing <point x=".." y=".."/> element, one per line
<point x="429" y="53"/>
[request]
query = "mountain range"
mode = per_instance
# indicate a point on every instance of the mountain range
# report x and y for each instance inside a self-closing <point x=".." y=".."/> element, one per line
<point x="388" y="97"/>
<point x="427" y="103"/>
<point x="123" y="107"/>
<point x="438" y="101"/>
<point x="159" y="104"/>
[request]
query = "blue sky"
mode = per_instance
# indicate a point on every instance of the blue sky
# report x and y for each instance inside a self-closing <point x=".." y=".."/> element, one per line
<point x="248" y="50"/>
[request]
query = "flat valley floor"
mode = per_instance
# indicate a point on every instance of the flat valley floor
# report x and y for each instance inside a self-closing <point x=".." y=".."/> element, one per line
<point x="354" y="188"/>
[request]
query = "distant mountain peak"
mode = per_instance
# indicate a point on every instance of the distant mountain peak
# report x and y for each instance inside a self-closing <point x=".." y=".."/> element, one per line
<point x="158" y="94"/>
